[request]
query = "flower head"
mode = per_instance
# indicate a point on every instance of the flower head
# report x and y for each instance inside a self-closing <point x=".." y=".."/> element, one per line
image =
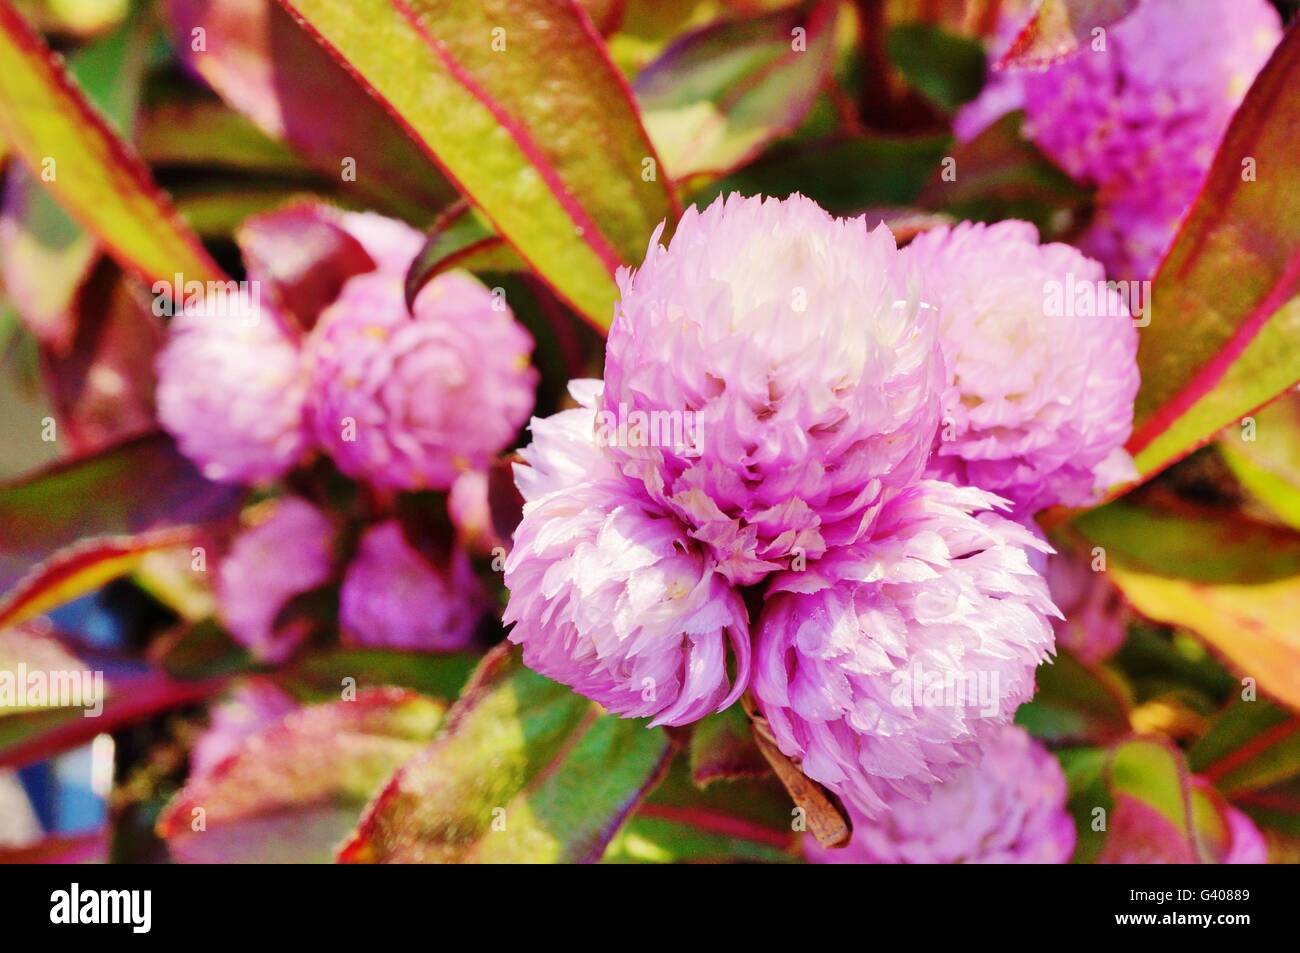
<point x="395" y="598"/>
<point x="887" y="666"/>
<point x="285" y="555"/>
<point x="410" y="401"/>
<point x="609" y="595"/>
<point x="231" y="391"/>
<point x="1143" y="117"/>
<point x="769" y="378"/>
<point x="1095" y="623"/>
<point x="1042" y="358"/>
<point x="1007" y="809"/>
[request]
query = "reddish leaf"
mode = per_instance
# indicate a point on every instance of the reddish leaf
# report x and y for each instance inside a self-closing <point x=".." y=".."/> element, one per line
<point x="305" y="255"/>
<point x="131" y="490"/>
<point x="103" y="387"/>
<point x="1058" y="27"/>
<point x="1224" y="337"/>
<point x="291" y="791"/>
<point x="459" y="239"/>
<point x="97" y="179"/>
<point x="264" y="66"/>
<point x="523" y="771"/>
<point x="722" y="748"/>
<point x="519" y="102"/>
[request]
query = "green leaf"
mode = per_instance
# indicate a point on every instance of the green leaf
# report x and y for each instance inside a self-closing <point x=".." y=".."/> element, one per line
<point x="266" y="67"/>
<point x="1224" y="337"/>
<point x="721" y="93"/>
<point x="735" y="820"/>
<point x="45" y="256"/>
<point x="524" y="771"/>
<point x="205" y="134"/>
<point x="1249" y="746"/>
<point x="949" y="69"/>
<point x="1076" y="703"/>
<point x="1186" y="542"/>
<point x="123" y="499"/>
<point x="999" y="174"/>
<point x="460" y="239"/>
<point x="95" y="176"/>
<point x="723" y="748"/>
<point x="291" y="792"/>
<point x="1233" y="582"/>
<point x="1268" y="464"/>
<point x="846" y="176"/>
<point x="518" y="101"/>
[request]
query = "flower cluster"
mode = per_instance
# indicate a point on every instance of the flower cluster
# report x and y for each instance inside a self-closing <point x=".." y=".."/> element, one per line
<point x="1008" y="809"/>
<point x="760" y="495"/>
<point x="1140" y="117"/>
<point x="398" y="399"/>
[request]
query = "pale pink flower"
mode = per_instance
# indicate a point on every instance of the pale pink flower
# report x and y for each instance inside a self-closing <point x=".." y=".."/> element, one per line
<point x="410" y="401"/>
<point x="1007" y="809"/>
<point x="887" y="666"/>
<point x="1042" y="357"/>
<point x="782" y="374"/>
<point x="288" y="553"/>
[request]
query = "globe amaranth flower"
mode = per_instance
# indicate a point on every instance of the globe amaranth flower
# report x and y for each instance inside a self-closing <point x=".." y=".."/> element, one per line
<point x="409" y="401"/>
<point x="394" y="597"/>
<point x="1042" y="362"/>
<point x="770" y="378"/>
<point x="255" y="704"/>
<point x="288" y="553"/>
<point x="1007" y="809"/>
<point x="1095" y="623"/>
<point x="231" y="390"/>
<point x="886" y="667"/>
<point x="609" y="595"/>
<point x="1143" y="118"/>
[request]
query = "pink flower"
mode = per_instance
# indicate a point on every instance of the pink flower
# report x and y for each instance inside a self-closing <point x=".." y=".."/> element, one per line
<point x="255" y="704"/>
<point x="1143" y="118"/>
<point x="283" y="556"/>
<point x="609" y="595"/>
<point x="1095" y="623"/>
<point x="769" y="379"/>
<point x="395" y="598"/>
<point x="231" y="390"/>
<point x="1246" y="845"/>
<point x="410" y="402"/>
<point x="1007" y="809"/>
<point x="887" y="666"/>
<point x="1043" y="364"/>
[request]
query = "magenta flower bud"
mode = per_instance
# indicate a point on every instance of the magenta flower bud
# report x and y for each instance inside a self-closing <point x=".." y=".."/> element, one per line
<point x="1095" y="623"/>
<point x="1143" y="118"/>
<point x="285" y="555"/>
<point x="410" y="401"/>
<point x="395" y="598"/>
<point x="1042" y="358"/>
<point x="887" y="666"/>
<point x="254" y="705"/>
<point x="231" y="390"/>
<point x="1007" y="809"/>
<point x="769" y="379"/>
